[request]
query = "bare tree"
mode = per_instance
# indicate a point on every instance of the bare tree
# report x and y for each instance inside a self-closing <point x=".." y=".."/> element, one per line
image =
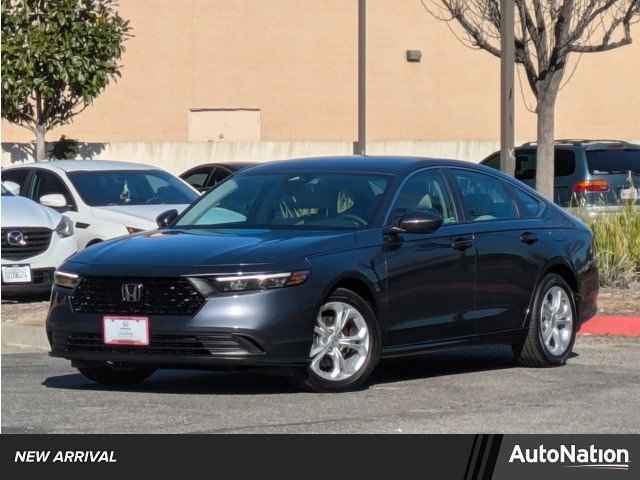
<point x="547" y="33"/>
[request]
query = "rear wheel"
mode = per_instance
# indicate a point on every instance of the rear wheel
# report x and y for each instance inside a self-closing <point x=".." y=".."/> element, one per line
<point x="346" y="344"/>
<point x="111" y="374"/>
<point x="552" y="327"/>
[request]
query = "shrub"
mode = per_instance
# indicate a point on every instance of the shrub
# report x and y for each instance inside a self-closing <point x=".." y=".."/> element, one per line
<point x="616" y="241"/>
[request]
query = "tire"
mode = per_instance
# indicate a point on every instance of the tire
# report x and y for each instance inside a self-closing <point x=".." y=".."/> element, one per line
<point x="358" y="343"/>
<point x="116" y="375"/>
<point x="542" y="346"/>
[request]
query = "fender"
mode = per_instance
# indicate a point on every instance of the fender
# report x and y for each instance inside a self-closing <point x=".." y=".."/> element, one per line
<point x="549" y="265"/>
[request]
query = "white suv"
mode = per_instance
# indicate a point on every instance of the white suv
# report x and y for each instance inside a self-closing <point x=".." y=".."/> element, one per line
<point x="104" y="199"/>
<point x="35" y="241"/>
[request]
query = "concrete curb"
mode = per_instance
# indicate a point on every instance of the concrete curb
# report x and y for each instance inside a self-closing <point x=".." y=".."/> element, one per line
<point x="25" y="336"/>
<point x="612" y="325"/>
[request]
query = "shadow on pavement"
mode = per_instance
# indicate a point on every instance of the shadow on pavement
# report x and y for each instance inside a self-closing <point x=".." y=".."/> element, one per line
<point x="431" y="365"/>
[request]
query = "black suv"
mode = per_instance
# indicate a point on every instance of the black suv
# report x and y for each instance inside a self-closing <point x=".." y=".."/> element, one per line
<point x="598" y="174"/>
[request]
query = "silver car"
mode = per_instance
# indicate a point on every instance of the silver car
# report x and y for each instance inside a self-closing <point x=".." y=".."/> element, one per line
<point x="599" y="175"/>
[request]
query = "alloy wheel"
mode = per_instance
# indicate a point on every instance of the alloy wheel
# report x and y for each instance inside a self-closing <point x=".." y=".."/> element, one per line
<point x="556" y="320"/>
<point x="341" y="342"/>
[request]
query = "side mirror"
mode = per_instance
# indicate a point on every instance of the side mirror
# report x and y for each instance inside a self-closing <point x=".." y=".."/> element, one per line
<point x="13" y="187"/>
<point x="167" y="218"/>
<point x="53" y="200"/>
<point x="426" y="221"/>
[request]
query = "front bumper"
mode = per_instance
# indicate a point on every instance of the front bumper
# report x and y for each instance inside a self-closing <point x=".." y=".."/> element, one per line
<point x="267" y="328"/>
<point x="42" y="267"/>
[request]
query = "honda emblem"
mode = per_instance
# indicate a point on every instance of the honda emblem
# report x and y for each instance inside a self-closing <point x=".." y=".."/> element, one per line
<point x="132" y="292"/>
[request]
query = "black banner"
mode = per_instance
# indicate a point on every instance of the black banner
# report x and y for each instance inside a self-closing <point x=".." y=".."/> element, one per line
<point x="467" y="457"/>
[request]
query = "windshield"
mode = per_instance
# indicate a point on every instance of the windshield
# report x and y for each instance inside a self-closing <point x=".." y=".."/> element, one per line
<point x="613" y="161"/>
<point x="309" y="200"/>
<point x="5" y="192"/>
<point x="131" y="187"/>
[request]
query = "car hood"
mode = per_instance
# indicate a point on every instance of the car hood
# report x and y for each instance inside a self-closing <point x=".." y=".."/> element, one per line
<point x="22" y="212"/>
<point x="198" y="251"/>
<point x="139" y="216"/>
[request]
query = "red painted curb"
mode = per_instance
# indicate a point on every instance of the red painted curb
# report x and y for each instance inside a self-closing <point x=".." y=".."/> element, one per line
<point x="611" y="325"/>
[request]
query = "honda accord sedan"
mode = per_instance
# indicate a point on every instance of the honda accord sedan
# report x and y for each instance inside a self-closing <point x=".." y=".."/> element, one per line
<point x="325" y="266"/>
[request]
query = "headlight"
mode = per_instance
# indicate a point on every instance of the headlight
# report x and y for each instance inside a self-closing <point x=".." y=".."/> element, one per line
<point x="67" y="280"/>
<point x="65" y="227"/>
<point x="240" y="283"/>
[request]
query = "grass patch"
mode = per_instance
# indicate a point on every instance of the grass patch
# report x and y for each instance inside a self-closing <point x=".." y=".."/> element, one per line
<point x="616" y="242"/>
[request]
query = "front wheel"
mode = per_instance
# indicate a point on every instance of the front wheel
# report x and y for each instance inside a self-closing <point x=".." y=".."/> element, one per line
<point x="110" y="374"/>
<point x="552" y="326"/>
<point x="346" y="344"/>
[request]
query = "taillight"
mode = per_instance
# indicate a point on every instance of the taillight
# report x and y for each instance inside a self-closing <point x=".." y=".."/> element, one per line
<point x="591" y="186"/>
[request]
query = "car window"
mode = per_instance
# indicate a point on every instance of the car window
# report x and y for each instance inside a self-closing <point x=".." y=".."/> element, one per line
<point x="484" y="197"/>
<point x="219" y="174"/>
<point x="18" y="176"/>
<point x="530" y="207"/>
<point x="198" y="178"/>
<point x="602" y="162"/>
<point x="423" y="191"/>
<point x="565" y="164"/>
<point x="131" y="187"/>
<point x="47" y="183"/>
<point x="290" y="200"/>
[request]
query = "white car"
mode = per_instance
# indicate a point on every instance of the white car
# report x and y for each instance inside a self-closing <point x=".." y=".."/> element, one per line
<point x="104" y="199"/>
<point x="35" y="241"/>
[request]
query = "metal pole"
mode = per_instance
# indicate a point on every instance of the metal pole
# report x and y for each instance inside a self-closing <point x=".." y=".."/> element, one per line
<point x="507" y="70"/>
<point x="360" y="146"/>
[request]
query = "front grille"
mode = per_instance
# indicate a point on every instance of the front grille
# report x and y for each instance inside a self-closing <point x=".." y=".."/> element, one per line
<point x="199" y="345"/>
<point x="160" y="296"/>
<point x="36" y="241"/>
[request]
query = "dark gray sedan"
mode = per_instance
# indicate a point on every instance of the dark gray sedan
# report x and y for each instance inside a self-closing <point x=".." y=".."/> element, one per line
<point x="325" y="266"/>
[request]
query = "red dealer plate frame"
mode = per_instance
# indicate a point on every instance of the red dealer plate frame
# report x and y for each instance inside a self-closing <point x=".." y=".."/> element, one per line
<point x="126" y="330"/>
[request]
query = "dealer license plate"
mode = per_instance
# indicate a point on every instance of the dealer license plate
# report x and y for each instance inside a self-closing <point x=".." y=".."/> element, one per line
<point x="16" y="274"/>
<point x="120" y="330"/>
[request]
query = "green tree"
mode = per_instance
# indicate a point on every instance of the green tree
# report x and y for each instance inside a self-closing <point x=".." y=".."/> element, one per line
<point x="57" y="57"/>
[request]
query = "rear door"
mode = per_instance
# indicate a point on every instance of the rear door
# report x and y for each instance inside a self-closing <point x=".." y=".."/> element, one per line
<point x="565" y="168"/>
<point x="509" y="249"/>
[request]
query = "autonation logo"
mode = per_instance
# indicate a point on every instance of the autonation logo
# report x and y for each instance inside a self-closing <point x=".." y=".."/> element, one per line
<point x="573" y="457"/>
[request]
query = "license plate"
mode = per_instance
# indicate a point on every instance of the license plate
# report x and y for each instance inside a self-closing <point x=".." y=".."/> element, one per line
<point x="629" y="194"/>
<point x="16" y="274"/>
<point x="126" y="330"/>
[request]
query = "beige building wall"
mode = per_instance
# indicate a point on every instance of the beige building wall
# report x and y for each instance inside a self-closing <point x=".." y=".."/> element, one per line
<point x="294" y="61"/>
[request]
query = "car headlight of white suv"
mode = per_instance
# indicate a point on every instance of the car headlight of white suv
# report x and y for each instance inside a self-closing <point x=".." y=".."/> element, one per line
<point x="65" y="227"/>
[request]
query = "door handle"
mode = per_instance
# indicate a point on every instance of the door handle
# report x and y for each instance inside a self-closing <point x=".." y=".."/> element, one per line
<point x="528" y="238"/>
<point x="462" y="243"/>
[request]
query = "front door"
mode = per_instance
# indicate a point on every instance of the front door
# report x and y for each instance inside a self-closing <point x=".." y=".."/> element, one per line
<point x="430" y="276"/>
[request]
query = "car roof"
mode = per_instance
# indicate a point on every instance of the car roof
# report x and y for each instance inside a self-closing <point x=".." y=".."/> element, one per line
<point x="595" y="144"/>
<point x="392" y="165"/>
<point x="233" y="166"/>
<point x="87" y="166"/>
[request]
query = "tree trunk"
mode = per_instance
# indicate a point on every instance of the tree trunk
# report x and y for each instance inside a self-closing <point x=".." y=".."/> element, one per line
<point x="545" y="165"/>
<point x="41" y="147"/>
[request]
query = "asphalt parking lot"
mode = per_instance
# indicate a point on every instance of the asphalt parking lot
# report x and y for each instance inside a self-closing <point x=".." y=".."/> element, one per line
<point x="476" y="390"/>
